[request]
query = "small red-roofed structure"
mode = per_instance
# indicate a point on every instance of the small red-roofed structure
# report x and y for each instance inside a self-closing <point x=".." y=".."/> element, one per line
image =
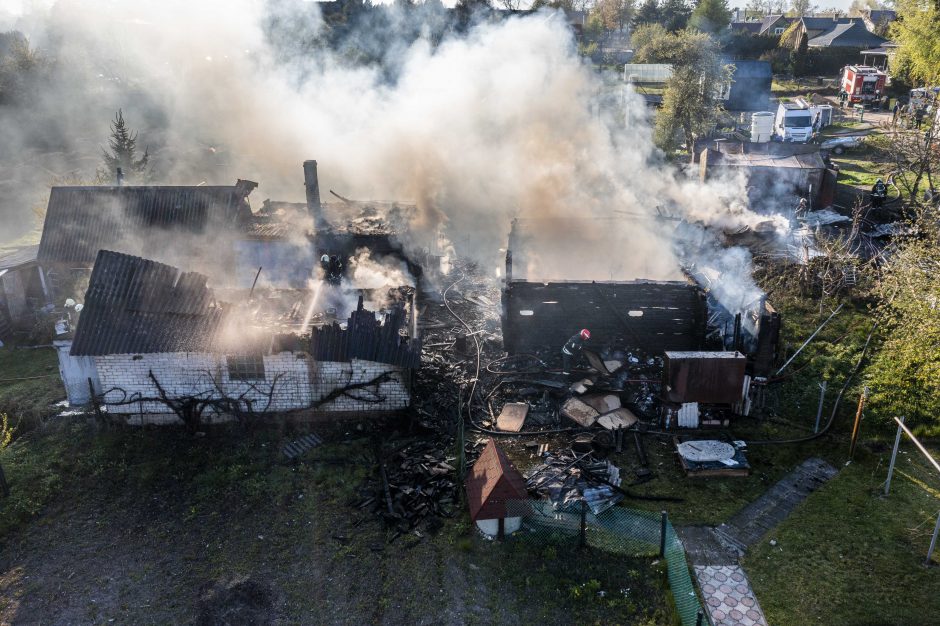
<point x="496" y="493"/>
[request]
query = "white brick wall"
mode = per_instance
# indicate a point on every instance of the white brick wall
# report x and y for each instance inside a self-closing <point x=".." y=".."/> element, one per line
<point x="298" y="383"/>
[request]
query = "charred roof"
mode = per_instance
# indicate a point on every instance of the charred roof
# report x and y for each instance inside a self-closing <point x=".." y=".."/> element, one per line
<point x="80" y="221"/>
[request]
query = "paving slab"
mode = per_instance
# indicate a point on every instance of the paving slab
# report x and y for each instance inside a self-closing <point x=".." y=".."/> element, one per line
<point x="728" y="596"/>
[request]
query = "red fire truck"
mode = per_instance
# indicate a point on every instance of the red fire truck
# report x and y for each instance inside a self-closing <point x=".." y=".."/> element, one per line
<point x="863" y="84"/>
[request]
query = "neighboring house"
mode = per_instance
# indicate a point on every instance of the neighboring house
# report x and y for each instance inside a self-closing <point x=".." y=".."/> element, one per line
<point x="159" y="348"/>
<point x="775" y="25"/>
<point x="22" y="289"/>
<point x="749" y="89"/>
<point x="879" y="57"/>
<point x="836" y="32"/>
<point x="172" y="224"/>
<point x="751" y="27"/>
<point x="878" y="20"/>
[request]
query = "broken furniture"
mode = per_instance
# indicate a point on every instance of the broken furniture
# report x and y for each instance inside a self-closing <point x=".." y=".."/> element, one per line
<point x="694" y="378"/>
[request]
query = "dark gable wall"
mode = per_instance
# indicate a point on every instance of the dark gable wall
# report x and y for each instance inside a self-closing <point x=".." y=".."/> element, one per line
<point x="673" y="314"/>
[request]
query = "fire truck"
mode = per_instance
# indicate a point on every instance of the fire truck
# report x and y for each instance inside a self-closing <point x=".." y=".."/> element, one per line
<point x="863" y="84"/>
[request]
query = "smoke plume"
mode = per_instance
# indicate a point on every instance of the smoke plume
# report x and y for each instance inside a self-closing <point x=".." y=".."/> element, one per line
<point x="476" y="127"/>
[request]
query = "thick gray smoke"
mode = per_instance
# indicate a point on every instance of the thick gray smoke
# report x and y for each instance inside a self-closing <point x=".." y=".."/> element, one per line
<point x="476" y="129"/>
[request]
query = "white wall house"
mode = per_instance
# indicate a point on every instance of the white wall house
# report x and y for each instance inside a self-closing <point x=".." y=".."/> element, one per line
<point x="151" y="337"/>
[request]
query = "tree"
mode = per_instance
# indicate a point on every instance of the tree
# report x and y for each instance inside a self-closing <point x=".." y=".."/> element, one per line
<point x="122" y="153"/>
<point x="799" y="8"/>
<point x="710" y="16"/>
<point x="916" y="33"/>
<point x="613" y="14"/>
<point x="799" y="58"/>
<point x="21" y="69"/>
<point x="674" y="14"/>
<point x="648" y="13"/>
<point x="904" y="376"/>
<point x="691" y="100"/>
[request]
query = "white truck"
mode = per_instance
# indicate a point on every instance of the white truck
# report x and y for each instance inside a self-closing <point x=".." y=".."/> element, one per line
<point x="794" y="121"/>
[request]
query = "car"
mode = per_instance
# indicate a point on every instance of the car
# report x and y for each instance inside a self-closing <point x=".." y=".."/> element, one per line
<point x="838" y="145"/>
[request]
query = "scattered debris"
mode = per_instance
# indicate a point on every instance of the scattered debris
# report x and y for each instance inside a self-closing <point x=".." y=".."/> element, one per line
<point x="709" y="457"/>
<point x="618" y="418"/>
<point x="512" y="417"/>
<point x="580" y="412"/>
<point x="294" y="449"/>
<point x="567" y="480"/>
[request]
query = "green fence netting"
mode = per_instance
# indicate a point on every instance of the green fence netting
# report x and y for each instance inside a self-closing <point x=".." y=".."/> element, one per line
<point x="623" y="531"/>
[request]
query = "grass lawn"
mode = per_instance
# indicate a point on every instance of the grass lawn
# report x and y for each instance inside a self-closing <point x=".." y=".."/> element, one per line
<point x="134" y="525"/>
<point x="849" y="556"/>
<point x="29" y="384"/>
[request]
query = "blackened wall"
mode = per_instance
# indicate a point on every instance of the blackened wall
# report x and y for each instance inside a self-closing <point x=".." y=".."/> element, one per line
<point x="665" y="315"/>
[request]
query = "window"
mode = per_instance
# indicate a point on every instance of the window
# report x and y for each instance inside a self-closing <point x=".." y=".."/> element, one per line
<point x="249" y="367"/>
<point x="778" y="30"/>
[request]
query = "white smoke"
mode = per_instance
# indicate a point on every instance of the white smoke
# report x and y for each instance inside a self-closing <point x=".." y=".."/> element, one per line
<point x="486" y="126"/>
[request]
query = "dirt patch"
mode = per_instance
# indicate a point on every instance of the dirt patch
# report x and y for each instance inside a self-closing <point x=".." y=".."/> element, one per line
<point x="241" y="602"/>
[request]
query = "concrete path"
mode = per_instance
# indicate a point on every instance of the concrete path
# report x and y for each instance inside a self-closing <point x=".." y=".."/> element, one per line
<point x="714" y="552"/>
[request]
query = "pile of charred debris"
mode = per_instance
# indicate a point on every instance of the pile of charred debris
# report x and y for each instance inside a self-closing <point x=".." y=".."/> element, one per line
<point x="468" y="390"/>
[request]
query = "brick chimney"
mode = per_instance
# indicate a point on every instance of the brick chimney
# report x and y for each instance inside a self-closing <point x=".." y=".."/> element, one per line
<point x="312" y="185"/>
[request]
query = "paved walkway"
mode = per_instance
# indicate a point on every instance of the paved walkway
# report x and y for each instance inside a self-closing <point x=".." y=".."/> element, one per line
<point x="714" y="552"/>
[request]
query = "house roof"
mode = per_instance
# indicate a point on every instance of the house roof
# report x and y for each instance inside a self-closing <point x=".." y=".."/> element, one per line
<point x="80" y="221"/>
<point x="846" y="34"/>
<point x="752" y="27"/>
<point x="138" y="306"/>
<point x="492" y="482"/>
<point x="773" y="21"/>
<point x="751" y="69"/>
<point x="17" y="257"/>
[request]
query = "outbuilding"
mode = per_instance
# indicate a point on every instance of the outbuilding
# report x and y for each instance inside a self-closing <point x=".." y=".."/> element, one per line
<point x="496" y="493"/>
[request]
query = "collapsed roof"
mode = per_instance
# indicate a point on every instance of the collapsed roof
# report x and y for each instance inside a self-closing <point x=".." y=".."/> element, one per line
<point x="138" y="306"/>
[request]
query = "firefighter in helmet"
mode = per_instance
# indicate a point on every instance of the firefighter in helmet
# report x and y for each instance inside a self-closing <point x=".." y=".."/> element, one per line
<point x="571" y="351"/>
<point x="878" y="193"/>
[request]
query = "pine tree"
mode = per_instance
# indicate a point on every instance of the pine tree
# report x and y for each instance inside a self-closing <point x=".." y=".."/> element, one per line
<point x="711" y="16"/>
<point x="122" y="153"/>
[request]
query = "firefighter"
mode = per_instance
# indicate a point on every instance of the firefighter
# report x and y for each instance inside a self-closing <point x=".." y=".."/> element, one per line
<point x="334" y="274"/>
<point x="573" y="348"/>
<point x="878" y="194"/>
<point x="802" y="208"/>
<point x="842" y="97"/>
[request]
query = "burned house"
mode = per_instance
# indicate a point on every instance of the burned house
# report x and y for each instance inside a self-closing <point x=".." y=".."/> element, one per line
<point x="287" y="240"/>
<point x="651" y="315"/>
<point x="162" y="348"/>
<point x="194" y="225"/>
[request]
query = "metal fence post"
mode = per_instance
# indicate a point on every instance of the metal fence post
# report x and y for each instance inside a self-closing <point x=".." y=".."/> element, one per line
<point x="582" y="539"/>
<point x="894" y="456"/>
<point x="662" y="534"/>
<point x="933" y="540"/>
<point x="699" y="618"/>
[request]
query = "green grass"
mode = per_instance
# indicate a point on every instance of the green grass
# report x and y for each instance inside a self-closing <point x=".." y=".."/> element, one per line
<point x="849" y="556"/>
<point x="26" y="402"/>
<point x="188" y="510"/>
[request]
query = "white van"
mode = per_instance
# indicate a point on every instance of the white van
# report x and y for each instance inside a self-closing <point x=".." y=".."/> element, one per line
<point x="794" y="122"/>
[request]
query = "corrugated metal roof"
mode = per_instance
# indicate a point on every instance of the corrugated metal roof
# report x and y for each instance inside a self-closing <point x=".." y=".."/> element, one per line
<point x="15" y="257"/>
<point x="137" y="306"/>
<point x="80" y="221"/>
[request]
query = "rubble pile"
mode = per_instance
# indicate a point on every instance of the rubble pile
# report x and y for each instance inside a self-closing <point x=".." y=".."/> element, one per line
<point x="416" y="482"/>
<point x="569" y="479"/>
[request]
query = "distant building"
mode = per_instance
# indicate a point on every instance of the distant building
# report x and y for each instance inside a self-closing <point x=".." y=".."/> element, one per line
<point x="749" y="89"/>
<point x="836" y="32"/>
